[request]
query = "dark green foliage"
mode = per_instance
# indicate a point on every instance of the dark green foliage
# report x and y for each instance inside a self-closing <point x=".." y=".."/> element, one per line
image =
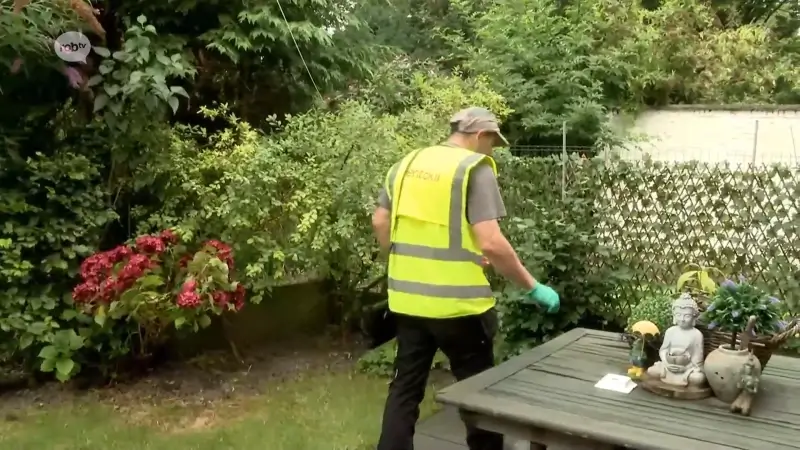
<point x="555" y="235"/>
<point x="734" y="303"/>
<point x="656" y="308"/>
<point x="82" y="169"/>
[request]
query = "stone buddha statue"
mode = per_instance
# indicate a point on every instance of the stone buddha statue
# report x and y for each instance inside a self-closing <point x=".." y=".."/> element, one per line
<point x="681" y="352"/>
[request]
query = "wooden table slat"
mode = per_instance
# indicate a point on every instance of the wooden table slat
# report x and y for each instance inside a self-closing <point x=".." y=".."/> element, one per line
<point x="552" y="387"/>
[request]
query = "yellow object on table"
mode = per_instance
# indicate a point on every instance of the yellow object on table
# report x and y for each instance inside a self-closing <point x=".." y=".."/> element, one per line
<point x="635" y="372"/>
<point x="644" y="328"/>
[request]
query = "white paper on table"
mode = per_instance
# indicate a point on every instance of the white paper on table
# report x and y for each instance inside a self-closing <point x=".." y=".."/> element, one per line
<point x="616" y="383"/>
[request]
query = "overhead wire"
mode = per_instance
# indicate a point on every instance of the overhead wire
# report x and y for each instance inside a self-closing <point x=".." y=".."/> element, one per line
<point x="299" y="52"/>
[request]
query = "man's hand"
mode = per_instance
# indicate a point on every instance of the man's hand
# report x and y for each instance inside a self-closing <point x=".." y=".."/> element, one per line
<point x="545" y="297"/>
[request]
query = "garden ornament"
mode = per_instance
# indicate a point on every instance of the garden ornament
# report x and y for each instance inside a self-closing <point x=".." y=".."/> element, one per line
<point x="643" y="331"/>
<point x="748" y="384"/>
<point x="728" y="365"/>
<point x="681" y="353"/>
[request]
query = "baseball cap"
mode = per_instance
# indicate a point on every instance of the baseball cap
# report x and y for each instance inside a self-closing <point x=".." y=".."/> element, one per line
<point x="475" y="119"/>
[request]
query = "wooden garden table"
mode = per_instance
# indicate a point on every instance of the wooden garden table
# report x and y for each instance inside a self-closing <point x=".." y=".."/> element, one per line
<point x="546" y="396"/>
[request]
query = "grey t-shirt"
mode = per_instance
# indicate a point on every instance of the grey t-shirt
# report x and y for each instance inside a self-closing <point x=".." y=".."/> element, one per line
<point x="484" y="201"/>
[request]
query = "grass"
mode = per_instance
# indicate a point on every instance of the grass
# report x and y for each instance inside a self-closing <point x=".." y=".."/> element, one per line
<point x="322" y="411"/>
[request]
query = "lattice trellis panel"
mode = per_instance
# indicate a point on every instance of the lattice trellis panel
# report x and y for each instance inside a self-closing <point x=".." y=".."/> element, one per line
<point x="741" y="219"/>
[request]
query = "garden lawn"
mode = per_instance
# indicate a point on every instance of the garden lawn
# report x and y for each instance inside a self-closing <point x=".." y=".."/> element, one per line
<point x="322" y="411"/>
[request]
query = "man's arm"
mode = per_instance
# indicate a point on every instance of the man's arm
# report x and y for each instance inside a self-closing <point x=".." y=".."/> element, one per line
<point x="382" y="220"/>
<point x="484" y="207"/>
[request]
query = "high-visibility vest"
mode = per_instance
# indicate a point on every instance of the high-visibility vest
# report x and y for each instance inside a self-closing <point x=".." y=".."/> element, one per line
<point x="434" y="262"/>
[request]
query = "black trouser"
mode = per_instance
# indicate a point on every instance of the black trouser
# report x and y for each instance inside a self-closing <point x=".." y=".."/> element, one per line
<point x="467" y="343"/>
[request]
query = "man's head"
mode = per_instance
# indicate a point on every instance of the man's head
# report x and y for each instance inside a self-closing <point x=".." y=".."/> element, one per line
<point x="476" y="129"/>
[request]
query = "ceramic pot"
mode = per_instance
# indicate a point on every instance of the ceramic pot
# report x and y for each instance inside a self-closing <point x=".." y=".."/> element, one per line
<point x="723" y="370"/>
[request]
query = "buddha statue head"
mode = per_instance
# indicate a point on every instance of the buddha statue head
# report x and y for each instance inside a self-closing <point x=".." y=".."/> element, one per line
<point x="684" y="311"/>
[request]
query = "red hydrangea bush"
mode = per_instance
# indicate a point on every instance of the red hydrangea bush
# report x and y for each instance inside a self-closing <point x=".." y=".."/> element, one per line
<point x="158" y="283"/>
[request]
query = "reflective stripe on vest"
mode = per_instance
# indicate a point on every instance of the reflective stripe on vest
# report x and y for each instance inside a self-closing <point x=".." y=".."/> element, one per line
<point x="455" y="251"/>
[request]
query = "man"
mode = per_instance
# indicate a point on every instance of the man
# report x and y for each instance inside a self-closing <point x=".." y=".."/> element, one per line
<point x="437" y="216"/>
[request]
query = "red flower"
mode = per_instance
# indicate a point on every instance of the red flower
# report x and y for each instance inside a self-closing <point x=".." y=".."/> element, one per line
<point x="100" y="265"/>
<point x="238" y="297"/>
<point x="217" y="245"/>
<point x="184" y="261"/>
<point x="188" y="299"/>
<point x="136" y="267"/>
<point x="108" y="290"/>
<point x="168" y="236"/>
<point x="223" y="252"/>
<point x="119" y="253"/>
<point x="95" y="266"/>
<point x="150" y="244"/>
<point x="85" y="292"/>
<point x="221" y="298"/>
<point x="189" y="285"/>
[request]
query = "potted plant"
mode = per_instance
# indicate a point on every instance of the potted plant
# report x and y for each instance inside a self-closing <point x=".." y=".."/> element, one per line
<point x="654" y="308"/>
<point x="700" y="282"/>
<point x="729" y="311"/>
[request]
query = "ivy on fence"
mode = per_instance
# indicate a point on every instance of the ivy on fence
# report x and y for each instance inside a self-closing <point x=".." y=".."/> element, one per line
<point x="740" y="219"/>
<point x="604" y="233"/>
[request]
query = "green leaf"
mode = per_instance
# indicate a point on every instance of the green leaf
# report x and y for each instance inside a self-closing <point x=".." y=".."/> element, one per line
<point x="25" y="341"/>
<point x="95" y="80"/>
<point x="173" y="103"/>
<point x="178" y="90"/>
<point x="204" y="321"/>
<point x="111" y="89"/>
<point x="151" y="281"/>
<point x="706" y="283"/>
<point x="684" y="278"/>
<point x="76" y="341"/>
<point x="100" y="102"/>
<point x="102" y="51"/>
<point x="179" y="322"/>
<point x="48" y="352"/>
<point x="64" y="367"/>
<point x="47" y="365"/>
<point x="100" y="315"/>
<point x="162" y="58"/>
<point x="141" y="19"/>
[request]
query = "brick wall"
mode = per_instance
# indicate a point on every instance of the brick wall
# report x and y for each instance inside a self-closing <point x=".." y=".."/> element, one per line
<point x="715" y="135"/>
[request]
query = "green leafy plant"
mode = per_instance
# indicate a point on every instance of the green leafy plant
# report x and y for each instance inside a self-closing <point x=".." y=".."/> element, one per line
<point x="299" y="202"/>
<point x="734" y="303"/>
<point x="58" y="355"/>
<point x="656" y="308"/>
<point x="554" y="233"/>
<point x="135" y="79"/>
<point x="699" y="280"/>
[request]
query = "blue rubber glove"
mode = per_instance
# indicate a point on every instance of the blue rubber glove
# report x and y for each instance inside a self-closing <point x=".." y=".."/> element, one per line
<point x="545" y="297"/>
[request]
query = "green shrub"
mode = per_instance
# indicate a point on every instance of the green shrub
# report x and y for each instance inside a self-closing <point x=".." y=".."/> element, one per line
<point x="300" y="201"/>
<point x="555" y="236"/>
<point x="656" y="308"/>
